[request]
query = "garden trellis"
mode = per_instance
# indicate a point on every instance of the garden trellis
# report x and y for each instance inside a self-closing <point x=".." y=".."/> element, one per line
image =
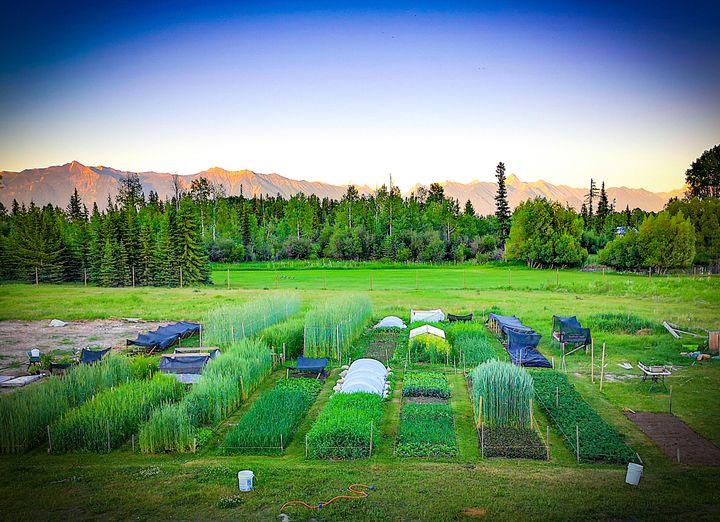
<point x="331" y="327"/>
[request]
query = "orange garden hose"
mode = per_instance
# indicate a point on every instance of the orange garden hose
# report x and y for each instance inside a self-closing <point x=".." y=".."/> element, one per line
<point x="359" y="494"/>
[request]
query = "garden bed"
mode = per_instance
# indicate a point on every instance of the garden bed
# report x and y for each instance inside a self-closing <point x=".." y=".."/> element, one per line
<point x="426" y="384"/>
<point x="426" y="430"/>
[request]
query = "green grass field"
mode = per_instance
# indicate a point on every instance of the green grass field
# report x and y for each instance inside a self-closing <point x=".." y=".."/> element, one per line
<point x="123" y="485"/>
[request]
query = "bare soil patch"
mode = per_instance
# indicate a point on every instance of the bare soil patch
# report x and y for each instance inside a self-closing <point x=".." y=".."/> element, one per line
<point x="425" y="400"/>
<point x="671" y="433"/>
<point x="19" y="337"/>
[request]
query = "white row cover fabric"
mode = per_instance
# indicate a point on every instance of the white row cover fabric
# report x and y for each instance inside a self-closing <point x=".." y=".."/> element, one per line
<point x="427" y="329"/>
<point x="431" y="316"/>
<point x="391" y="321"/>
<point x="364" y="375"/>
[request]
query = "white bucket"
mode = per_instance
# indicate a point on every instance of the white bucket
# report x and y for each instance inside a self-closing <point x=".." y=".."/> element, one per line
<point x="634" y="472"/>
<point x="245" y="480"/>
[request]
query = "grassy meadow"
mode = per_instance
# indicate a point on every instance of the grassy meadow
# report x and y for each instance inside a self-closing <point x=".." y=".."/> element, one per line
<point x="123" y="485"/>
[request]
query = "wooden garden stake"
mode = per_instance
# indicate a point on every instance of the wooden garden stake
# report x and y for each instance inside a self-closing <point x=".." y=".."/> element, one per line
<point x="228" y="278"/>
<point x="592" y="360"/>
<point x="371" y="438"/>
<point x="277" y="280"/>
<point x="281" y="444"/>
<point x="547" y="440"/>
<point x="324" y="281"/>
<point x="531" y="414"/>
<point x="242" y="324"/>
<point x="671" y="398"/>
<point x="557" y="396"/>
<point x="464" y="280"/>
<point x="181" y="278"/>
<point x="84" y="276"/>
<point x="417" y="279"/>
<point x="482" y="441"/>
<point x="480" y="412"/>
<point x="602" y="368"/>
<point x="133" y="443"/>
<point x="194" y="444"/>
<point x="37" y="279"/>
<point x="553" y="361"/>
<point x="306" y="446"/>
<point x="49" y="439"/>
<point x="133" y="276"/>
<point x="242" y="388"/>
<point x="370" y="281"/>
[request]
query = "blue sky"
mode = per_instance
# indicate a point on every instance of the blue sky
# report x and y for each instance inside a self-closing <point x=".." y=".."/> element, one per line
<point x="428" y="92"/>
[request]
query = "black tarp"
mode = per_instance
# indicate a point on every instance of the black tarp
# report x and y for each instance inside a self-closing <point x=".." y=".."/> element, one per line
<point x="92" y="356"/>
<point x="569" y="330"/>
<point x="522" y="348"/>
<point x="182" y="363"/>
<point x="165" y="335"/>
<point x="458" y="318"/>
<point x="507" y="322"/>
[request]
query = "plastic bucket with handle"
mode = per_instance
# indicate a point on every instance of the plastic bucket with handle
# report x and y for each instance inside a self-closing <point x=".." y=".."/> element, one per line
<point x="245" y="480"/>
<point x="634" y="472"/>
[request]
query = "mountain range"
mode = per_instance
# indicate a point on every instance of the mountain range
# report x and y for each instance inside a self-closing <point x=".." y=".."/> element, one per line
<point x="55" y="185"/>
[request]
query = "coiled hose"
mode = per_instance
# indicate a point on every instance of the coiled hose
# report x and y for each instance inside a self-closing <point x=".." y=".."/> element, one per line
<point x="352" y="488"/>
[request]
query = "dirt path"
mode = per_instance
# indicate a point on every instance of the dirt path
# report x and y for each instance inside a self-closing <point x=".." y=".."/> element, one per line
<point x="18" y="337"/>
<point x="670" y="434"/>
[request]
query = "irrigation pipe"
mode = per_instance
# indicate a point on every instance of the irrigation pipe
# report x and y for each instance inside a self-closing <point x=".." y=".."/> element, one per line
<point x="351" y="488"/>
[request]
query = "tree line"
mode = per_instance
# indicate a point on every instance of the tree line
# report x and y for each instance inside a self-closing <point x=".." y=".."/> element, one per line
<point x="147" y="241"/>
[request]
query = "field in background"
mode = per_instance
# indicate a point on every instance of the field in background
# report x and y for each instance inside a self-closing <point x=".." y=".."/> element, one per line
<point x="122" y="485"/>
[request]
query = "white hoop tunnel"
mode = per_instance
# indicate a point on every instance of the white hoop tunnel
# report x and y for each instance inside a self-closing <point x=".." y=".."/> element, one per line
<point x="364" y="375"/>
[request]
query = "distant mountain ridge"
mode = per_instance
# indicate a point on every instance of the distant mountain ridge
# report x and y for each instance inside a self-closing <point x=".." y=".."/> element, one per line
<point x="55" y="185"/>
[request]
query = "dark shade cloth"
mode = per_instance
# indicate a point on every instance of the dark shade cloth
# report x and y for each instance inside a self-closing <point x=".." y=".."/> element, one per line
<point x="510" y="321"/>
<point x="165" y="336"/>
<point x="306" y="364"/>
<point x="183" y="363"/>
<point x="522" y="348"/>
<point x="570" y="330"/>
<point x="92" y="356"/>
<point x="457" y="318"/>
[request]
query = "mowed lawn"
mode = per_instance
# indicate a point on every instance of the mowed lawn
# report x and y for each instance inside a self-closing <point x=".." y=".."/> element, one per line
<point x="122" y="485"/>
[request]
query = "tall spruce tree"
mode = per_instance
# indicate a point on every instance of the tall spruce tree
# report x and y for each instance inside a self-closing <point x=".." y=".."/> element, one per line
<point x="603" y="208"/>
<point x="188" y="247"/>
<point x="502" y="207"/>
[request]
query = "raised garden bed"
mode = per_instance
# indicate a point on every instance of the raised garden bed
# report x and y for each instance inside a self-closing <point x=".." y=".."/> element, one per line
<point x="426" y="430"/>
<point x="426" y="384"/>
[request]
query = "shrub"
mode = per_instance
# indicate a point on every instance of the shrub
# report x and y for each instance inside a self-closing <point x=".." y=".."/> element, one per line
<point x="227" y="324"/>
<point x="26" y="413"/>
<point x="344" y="428"/>
<point x="114" y="415"/>
<point x="506" y="391"/>
<point x="333" y="326"/>
<point x="426" y="430"/>
<point x="599" y="442"/>
<point x="276" y="414"/>
<point x="426" y="384"/>
<point x="429" y="348"/>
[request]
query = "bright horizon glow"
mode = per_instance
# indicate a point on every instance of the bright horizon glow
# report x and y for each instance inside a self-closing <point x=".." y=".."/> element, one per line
<point x="430" y="94"/>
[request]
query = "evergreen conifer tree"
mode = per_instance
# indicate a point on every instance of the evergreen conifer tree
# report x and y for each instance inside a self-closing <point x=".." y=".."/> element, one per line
<point x="502" y="206"/>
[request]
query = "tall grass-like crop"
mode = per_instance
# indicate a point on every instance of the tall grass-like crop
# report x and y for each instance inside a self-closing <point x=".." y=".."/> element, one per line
<point x="219" y="391"/>
<point x="229" y="323"/>
<point x="272" y="420"/>
<point x="506" y="390"/>
<point x="331" y="327"/>
<point x="344" y="428"/>
<point x="26" y="413"/>
<point x="426" y="430"/>
<point x="289" y="333"/>
<point x="113" y="415"/>
<point x="429" y="348"/>
<point x="620" y="323"/>
<point x="473" y="342"/>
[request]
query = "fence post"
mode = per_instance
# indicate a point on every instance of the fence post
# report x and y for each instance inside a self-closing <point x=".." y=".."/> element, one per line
<point x="464" y="280"/>
<point x="133" y="443"/>
<point x="133" y="276"/>
<point x="281" y="445"/>
<point x="371" y="281"/>
<point x="480" y="412"/>
<point x="592" y="360"/>
<point x="306" y="446"/>
<point x="577" y="443"/>
<point x="242" y="388"/>
<point x="602" y="368"/>
<point x="181" y="278"/>
<point x="37" y="278"/>
<point x="108" y="436"/>
<point x="417" y="279"/>
<point x="324" y="280"/>
<point x="228" y="278"/>
<point x="371" y="438"/>
<point x="482" y="440"/>
<point x="84" y="276"/>
<point x="277" y="281"/>
<point x="49" y="439"/>
<point x="671" y="398"/>
<point x="531" y="414"/>
<point x="194" y="444"/>
<point x="547" y="440"/>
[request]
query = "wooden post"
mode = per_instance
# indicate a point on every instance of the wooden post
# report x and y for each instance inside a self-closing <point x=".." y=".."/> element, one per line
<point x="37" y="278"/>
<point x="547" y="440"/>
<point x="577" y="443"/>
<point x="49" y="439"/>
<point x="181" y="278"/>
<point x="509" y="277"/>
<point x="283" y="356"/>
<point x="242" y="325"/>
<point x="417" y="279"/>
<point x="557" y="396"/>
<point x="277" y="281"/>
<point x="678" y="454"/>
<point x="228" y="278"/>
<point x="304" y="337"/>
<point x="557" y="277"/>
<point x="232" y="333"/>
<point x="194" y="444"/>
<point x="592" y="360"/>
<point x="371" y="281"/>
<point x="287" y="373"/>
<point x="371" y="438"/>
<point x="602" y="368"/>
<point x="133" y="443"/>
<point x="200" y="337"/>
<point x="324" y="280"/>
<point x="671" y="398"/>
<point x="480" y="411"/>
<point x="482" y="441"/>
<point x="242" y="388"/>
<point x="133" y="276"/>
<point x="553" y="361"/>
<point x="464" y="280"/>
<point x="84" y="276"/>
<point x="531" y="414"/>
<point x="108" y="436"/>
<point x="306" y="446"/>
<point x="281" y="444"/>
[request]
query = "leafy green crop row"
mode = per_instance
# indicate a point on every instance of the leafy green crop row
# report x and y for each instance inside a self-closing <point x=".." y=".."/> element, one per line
<point x="426" y="384"/>
<point x="512" y="443"/>
<point x="345" y="426"/>
<point x="599" y="442"/>
<point x="26" y="413"/>
<point x="426" y="430"/>
<point x="219" y="391"/>
<point x="269" y="425"/>
<point x="113" y="415"/>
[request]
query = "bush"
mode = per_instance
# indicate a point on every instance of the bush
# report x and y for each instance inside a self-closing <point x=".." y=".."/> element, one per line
<point x="426" y="384"/>
<point x="276" y="414"/>
<point x="113" y="415"/>
<point x="599" y="442"/>
<point x="506" y="391"/>
<point x="426" y="430"/>
<point x="344" y="427"/>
